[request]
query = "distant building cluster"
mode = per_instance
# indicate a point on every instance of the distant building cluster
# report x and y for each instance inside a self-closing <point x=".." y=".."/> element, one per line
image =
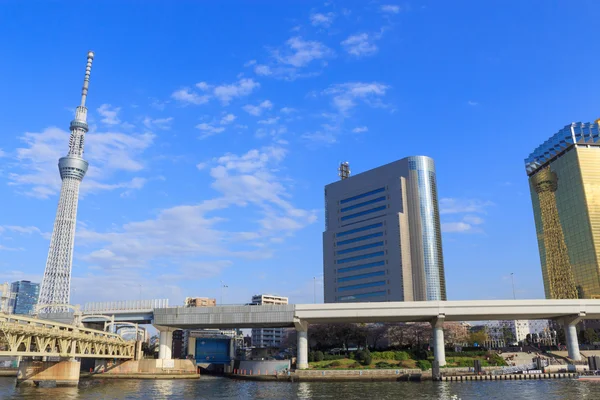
<point x="20" y="297"/>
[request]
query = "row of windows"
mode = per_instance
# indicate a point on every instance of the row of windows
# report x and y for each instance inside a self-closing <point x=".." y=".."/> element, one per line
<point x="361" y="286"/>
<point x="362" y="266"/>
<point x="360" y="196"/>
<point x="360" y="238"/>
<point x="361" y="257"/>
<point x="361" y="276"/>
<point x="370" y="211"/>
<point x="363" y="295"/>
<point x="355" y="230"/>
<point x="364" y="203"/>
<point x="357" y="248"/>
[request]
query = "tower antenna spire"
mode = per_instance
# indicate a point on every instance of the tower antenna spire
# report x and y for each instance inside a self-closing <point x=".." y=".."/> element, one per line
<point x="86" y="80"/>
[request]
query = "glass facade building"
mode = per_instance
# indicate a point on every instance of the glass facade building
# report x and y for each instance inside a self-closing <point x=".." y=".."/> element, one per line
<point x="382" y="239"/>
<point x="26" y="295"/>
<point x="564" y="176"/>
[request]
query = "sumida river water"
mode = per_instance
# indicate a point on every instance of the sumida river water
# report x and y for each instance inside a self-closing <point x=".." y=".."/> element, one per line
<point x="208" y="387"/>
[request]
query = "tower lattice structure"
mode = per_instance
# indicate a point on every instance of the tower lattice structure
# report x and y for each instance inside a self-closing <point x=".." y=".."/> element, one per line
<point x="56" y="284"/>
<point x="558" y="265"/>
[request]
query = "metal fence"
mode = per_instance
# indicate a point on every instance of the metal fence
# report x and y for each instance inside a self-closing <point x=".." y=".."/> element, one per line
<point x="126" y="305"/>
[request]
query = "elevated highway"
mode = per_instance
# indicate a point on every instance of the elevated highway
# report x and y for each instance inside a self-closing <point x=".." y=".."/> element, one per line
<point x="300" y="316"/>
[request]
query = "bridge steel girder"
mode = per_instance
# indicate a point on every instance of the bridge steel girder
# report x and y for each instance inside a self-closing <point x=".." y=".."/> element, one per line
<point x="33" y="337"/>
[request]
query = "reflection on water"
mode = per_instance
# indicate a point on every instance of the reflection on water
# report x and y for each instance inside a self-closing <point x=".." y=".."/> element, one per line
<point x="221" y="388"/>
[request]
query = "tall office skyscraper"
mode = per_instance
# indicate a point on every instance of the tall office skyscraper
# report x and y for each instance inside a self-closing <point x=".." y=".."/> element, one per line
<point x="56" y="284"/>
<point x="25" y="296"/>
<point x="564" y="177"/>
<point x="382" y="239"/>
<point x="267" y="337"/>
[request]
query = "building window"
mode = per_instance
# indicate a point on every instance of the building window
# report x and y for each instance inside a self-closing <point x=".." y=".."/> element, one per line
<point x="358" y="248"/>
<point x="360" y="196"/>
<point x="364" y="203"/>
<point x="358" y="239"/>
<point x="361" y="276"/>
<point x="361" y="257"/>
<point x="362" y="295"/>
<point x="366" y="212"/>
<point x="362" y="266"/>
<point x="361" y="229"/>
<point x="361" y="286"/>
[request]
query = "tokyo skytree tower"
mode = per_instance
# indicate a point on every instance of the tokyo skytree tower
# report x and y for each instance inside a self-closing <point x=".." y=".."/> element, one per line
<point x="56" y="284"/>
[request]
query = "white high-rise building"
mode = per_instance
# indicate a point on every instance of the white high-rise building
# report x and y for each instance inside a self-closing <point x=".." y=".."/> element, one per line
<point x="518" y="329"/>
<point x="56" y="284"/>
<point x="267" y="337"/>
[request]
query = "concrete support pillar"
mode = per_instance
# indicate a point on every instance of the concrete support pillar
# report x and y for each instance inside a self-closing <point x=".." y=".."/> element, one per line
<point x="302" y="350"/>
<point x="48" y="373"/>
<point x="572" y="342"/>
<point x="165" y="343"/>
<point x="192" y="347"/>
<point x="439" y="351"/>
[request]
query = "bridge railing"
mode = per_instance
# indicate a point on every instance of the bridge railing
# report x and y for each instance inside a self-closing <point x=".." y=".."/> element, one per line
<point x="125" y="305"/>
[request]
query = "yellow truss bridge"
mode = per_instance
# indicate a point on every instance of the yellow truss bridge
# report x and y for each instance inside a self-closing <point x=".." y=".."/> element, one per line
<point x="33" y="337"/>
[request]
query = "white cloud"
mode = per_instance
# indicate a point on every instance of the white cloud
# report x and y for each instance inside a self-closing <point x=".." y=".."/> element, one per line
<point x="109" y="114"/>
<point x="468" y="222"/>
<point x="472" y="103"/>
<point x="319" y="137"/>
<point x="225" y="93"/>
<point x="203" y="86"/>
<point x="360" y="129"/>
<point x="107" y="152"/>
<point x="454" y="227"/>
<point x="227" y="119"/>
<point x="2" y="153"/>
<point x="263" y="70"/>
<point x="269" y="121"/>
<point x="158" y="123"/>
<point x="192" y="235"/>
<point x="302" y="52"/>
<point x="209" y="130"/>
<point x="390" y="8"/>
<point x="186" y="96"/>
<point x="345" y="95"/>
<point x="360" y="45"/>
<point x="457" y="206"/>
<point x="250" y="63"/>
<point x="319" y="19"/>
<point x="288" y="110"/>
<point x="257" y="110"/>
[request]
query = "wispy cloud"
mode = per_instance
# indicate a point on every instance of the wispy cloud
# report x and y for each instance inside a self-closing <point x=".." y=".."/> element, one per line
<point x="258" y="109"/>
<point x="472" y="103"/>
<point x="186" y="96"/>
<point x="346" y="95"/>
<point x="390" y="8"/>
<point x="319" y="19"/>
<point x="466" y="214"/>
<point x="158" y="123"/>
<point x="193" y="233"/>
<point x="360" y="129"/>
<point x="301" y="52"/>
<point x="225" y="93"/>
<point x="109" y="114"/>
<point x="107" y="152"/>
<point x="360" y="45"/>
<point x="269" y="121"/>
<point x="263" y="70"/>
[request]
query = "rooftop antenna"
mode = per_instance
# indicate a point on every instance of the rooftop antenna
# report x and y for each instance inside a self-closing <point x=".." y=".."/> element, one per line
<point x="344" y="170"/>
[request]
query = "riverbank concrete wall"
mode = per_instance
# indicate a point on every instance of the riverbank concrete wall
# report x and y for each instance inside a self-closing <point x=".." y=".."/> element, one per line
<point x="151" y="366"/>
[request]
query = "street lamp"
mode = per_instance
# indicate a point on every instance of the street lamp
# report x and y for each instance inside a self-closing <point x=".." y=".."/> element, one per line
<point x="512" y="278"/>
<point x="315" y="289"/>
<point x="222" y="287"/>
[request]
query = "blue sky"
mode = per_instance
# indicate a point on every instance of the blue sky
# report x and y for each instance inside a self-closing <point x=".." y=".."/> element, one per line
<point x="215" y="126"/>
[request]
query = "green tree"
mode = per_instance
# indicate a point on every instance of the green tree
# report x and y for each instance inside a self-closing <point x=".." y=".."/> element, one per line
<point x="590" y="335"/>
<point x="508" y="334"/>
<point x="478" y="337"/>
